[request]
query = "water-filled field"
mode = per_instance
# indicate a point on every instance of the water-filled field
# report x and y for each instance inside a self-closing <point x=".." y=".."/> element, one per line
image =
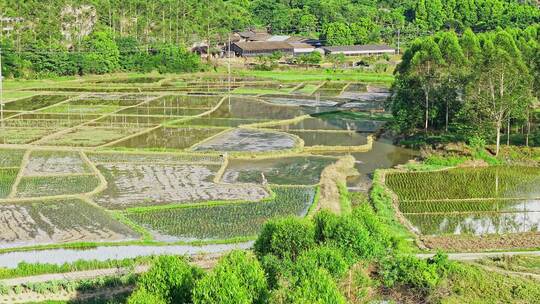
<point x="164" y="158"/>
<point x="498" y="200"/>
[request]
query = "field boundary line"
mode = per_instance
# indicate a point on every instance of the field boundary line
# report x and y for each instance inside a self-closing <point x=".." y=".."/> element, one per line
<point x="222" y="169"/>
<point x="469" y="212"/>
<point x="344" y="89"/>
<point x="47" y="107"/>
<point x="60" y="174"/>
<point x="102" y="180"/>
<point x="397" y="213"/>
<point x="192" y="147"/>
<point x="216" y="203"/>
<point x="521" y="274"/>
<point x="114" y="142"/>
<point x="275" y="123"/>
<point x="16" y="200"/>
<point x="451" y="200"/>
<point x="300" y="85"/>
<point x="210" y="111"/>
<point x="24" y="163"/>
<point x="318" y="87"/>
<point x="360" y="148"/>
<point x="82" y="124"/>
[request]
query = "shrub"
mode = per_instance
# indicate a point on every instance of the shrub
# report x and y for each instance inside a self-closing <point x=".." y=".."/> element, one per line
<point x="347" y="233"/>
<point x="316" y="286"/>
<point x="285" y="238"/>
<point x="237" y="278"/>
<point x="143" y="296"/>
<point x="328" y="258"/>
<point x="357" y="284"/>
<point x="170" y="278"/>
<point x="409" y="271"/>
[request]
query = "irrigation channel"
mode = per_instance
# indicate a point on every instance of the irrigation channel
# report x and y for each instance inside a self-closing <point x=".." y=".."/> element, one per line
<point x="61" y="256"/>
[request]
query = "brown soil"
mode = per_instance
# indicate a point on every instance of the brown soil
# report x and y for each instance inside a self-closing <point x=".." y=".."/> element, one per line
<point x="477" y="243"/>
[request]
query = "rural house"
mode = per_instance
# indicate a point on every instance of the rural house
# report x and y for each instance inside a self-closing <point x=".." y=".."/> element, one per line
<point x="360" y="50"/>
<point x="261" y="48"/>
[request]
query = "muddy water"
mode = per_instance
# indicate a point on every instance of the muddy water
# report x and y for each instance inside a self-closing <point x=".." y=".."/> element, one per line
<point x="383" y="155"/>
<point x="61" y="256"/>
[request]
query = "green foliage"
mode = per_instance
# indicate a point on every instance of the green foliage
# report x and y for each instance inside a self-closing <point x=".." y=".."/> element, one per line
<point x="337" y="33"/>
<point x="285" y="238"/>
<point x="443" y="84"/>
<point x="237" y="278"/>
<point x="170" y="278"/>
<point x="349" y="234"/>
<point x="411" y="272"/>
<point x="315" y="286"/>
<point x="435" y="160"/>
<point x="25" y="269"/>
<point x="324" y="257"/>
<point x="143" y="296"/>
<point x="310" y="58"/>
<point x="472" y="284"/>
<point x="103" y="56"/>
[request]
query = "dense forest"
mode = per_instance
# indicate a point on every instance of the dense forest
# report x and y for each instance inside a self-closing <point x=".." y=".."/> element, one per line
<point x="61" y="37"/>
<point x="472" y="86"/>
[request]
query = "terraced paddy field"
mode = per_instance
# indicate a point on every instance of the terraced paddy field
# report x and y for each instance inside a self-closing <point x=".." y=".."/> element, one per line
<point x="446" y="208"/>
<point x="172" y="159"/>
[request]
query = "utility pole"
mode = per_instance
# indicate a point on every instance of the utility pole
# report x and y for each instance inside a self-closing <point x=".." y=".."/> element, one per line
<point x="229" y="68"/>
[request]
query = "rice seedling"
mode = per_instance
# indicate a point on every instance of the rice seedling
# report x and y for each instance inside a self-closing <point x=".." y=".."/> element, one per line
<point x="170" y="138"/>
<point x="10" y="158"/>
<point x="224" y="221"/>
<point x="34" y="102"/>
<point x="134" y="184"/>
<point x="467" y="183"/>
<point x="89" y="136"/>
<point x="155" y="158"/>
<point x="54" y="162"/>
<point x="38" y="186"/>
<point x="7" y="178"/>
<point x="57" y="221"/>
<point x="23" y="135"/>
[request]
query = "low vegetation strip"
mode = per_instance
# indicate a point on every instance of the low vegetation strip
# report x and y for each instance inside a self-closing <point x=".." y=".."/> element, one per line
<point x="331" y="177"/>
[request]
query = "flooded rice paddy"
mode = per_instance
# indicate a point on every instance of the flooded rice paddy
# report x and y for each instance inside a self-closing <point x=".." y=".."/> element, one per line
<point x="182" y="161"/>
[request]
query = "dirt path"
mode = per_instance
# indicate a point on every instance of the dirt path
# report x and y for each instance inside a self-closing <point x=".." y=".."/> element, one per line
<point x="509" y="272"/>
<point x="205" y="262"/>
<point x="471" y="256"/>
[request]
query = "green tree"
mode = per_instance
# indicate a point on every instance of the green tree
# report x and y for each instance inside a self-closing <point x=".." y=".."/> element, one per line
<point x="470" y="46"/>
<point x="452" y="71"/>
<point x="425" y="66"/>
<point x="501" y="86"/>
<point x="337" y="33"/>
<point x="103" y="55"/>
